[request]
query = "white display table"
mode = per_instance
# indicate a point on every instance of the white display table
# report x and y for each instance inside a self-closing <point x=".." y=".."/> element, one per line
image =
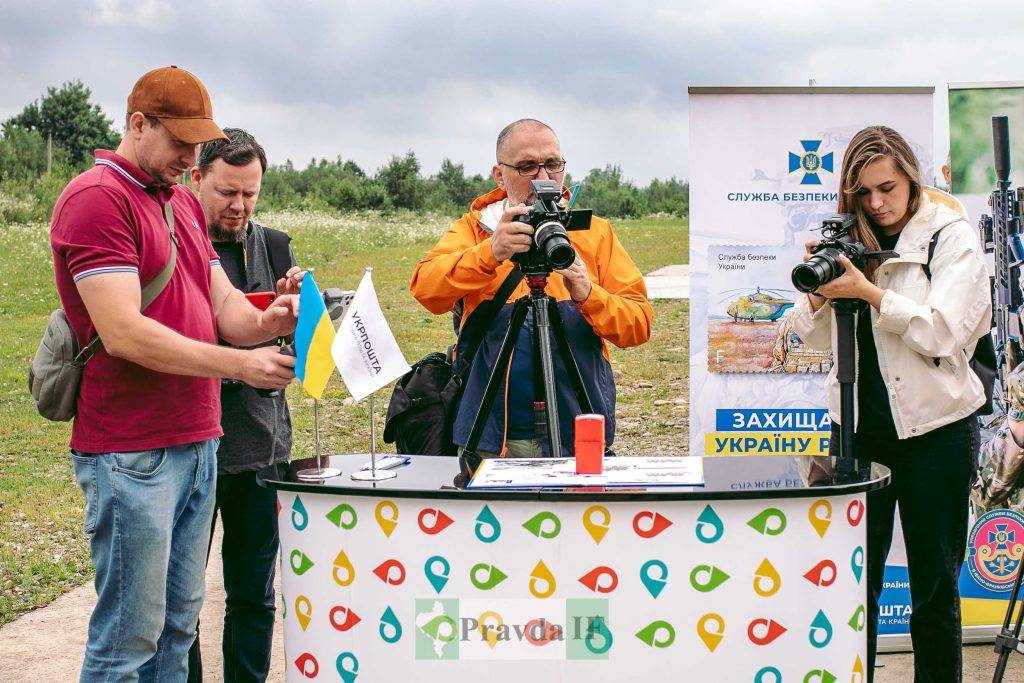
<point x="757" y="576"/>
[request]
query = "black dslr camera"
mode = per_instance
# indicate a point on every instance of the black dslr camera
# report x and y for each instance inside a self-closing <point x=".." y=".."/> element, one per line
<point x="551" y="249"/>
<point x="824" y="266"/>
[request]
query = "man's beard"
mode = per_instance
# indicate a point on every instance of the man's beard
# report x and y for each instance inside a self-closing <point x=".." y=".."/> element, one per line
<point x="219" y="234"/>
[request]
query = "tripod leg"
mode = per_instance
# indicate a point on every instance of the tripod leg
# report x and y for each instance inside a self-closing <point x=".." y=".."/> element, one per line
<point x="1008" y="639"/>
<point x="571" y="367"/>
<point x="540" y="413"/>
<point x="542" y="330"/>
<point x="497" y="374"/>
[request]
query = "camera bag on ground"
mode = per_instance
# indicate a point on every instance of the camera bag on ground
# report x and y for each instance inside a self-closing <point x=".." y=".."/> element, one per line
<point x="57" y="367"/>
<point x="423" y="404"/>
<point x="983" y="362"/>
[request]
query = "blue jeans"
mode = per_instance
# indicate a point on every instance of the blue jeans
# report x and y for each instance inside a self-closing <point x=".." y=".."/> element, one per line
<point x="149" y="515"/>
<point x="248" y="512"/>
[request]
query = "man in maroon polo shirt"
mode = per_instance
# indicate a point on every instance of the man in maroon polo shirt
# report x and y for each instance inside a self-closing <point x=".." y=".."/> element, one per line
<point x="145" y="435"/>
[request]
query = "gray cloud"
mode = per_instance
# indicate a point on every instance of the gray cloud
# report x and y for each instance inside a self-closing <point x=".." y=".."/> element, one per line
<point x="366" y="82"/>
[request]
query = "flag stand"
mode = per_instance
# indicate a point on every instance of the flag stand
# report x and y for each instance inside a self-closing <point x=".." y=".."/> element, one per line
<point x="373" y="474"/>
<point x="317" y="473"/>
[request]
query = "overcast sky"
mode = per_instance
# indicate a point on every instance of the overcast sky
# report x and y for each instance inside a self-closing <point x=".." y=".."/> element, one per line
<point x="366" y="80"/>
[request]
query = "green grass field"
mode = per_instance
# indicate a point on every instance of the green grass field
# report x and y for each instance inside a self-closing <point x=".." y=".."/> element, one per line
<point x="43" y="550"/>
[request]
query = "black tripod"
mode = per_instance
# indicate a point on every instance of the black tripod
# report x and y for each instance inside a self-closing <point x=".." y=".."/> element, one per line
<point x="1009" y="639"/>
<point x="546" y="319"/>
<point x="846" y="373"/>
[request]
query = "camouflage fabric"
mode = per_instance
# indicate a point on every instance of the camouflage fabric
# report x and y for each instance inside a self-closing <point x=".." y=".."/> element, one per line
<point x="1015" y="393"/>
<point x="1000" y="481"/>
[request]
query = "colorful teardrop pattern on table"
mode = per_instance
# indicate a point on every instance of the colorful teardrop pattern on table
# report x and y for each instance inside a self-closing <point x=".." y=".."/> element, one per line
<point x="433" y="521"/>
<point x="487" y="528"/>
<point x="485" y="576"/>
<point x="348" y="667"/>
<point x="709" y="527"/>
<point x="542" y="581"/>
<point x="706" y="578"/>
<point x="600" y="579"/>
<point x="438" y="571"/>
<point x="342" y="618"/>
<point x="857" y="562"/>
<point x="649" y="524"/>
<point x="300" y="518"/>
<point x="307" y="665"/>
<point x="342" y="516"/>
<point x="762" y="631"/>
<point x="342" y="570"/>
<point x="597" y="520"/>
<point x="770" y="522"/>
<point x="300" y="562"/>
<point x="654" y="576"/>
<point x="855" y="512"/>
<point x="822" y="574"/>
<point x="390" y="629"/>
<point x="768" y="674"/>
<point x="820" y="633"/>
<point x="659" y="634"/>
<point x="386" y="514"/>
<point x="544" y="525"/>
<point x="391" y="572"/>
<point x="820" y="516"/>
<point x="303" y="611"/>
<point x="711" y="630"/>
<point x="608" y="577"/>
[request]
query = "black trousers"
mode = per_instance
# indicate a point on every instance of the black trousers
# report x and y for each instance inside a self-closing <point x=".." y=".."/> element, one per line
<point x="931" y="476"/>
<point x="248" y="512"/>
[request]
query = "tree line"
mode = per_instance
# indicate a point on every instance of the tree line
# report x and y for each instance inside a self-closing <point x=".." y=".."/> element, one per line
<point x="53" y="138"/>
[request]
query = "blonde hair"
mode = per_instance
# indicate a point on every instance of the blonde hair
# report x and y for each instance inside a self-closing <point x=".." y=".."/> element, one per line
<point x="867" y="146"/>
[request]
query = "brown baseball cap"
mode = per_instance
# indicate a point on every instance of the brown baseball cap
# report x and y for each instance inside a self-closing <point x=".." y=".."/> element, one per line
<point x="179" y="101"/>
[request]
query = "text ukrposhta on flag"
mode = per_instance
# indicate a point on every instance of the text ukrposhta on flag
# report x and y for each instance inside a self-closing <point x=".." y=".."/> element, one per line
<point x="313" y="336"/>
<point x="364" y="349"/>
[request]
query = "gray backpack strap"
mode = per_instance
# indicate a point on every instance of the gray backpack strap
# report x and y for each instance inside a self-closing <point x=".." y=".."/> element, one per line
<point x="151" y="291"/>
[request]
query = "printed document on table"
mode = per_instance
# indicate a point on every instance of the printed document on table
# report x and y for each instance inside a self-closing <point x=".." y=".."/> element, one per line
<point x="561" y="473"/>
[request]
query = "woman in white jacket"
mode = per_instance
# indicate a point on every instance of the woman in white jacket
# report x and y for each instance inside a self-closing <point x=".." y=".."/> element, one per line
<point x="915" y="394"/>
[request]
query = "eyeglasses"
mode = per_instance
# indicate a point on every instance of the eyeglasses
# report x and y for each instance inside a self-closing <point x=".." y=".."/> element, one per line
<point x="531" y="169"/>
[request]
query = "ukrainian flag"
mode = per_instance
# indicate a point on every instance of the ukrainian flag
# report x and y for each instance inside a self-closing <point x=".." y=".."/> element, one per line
<point x="314" y="334"/>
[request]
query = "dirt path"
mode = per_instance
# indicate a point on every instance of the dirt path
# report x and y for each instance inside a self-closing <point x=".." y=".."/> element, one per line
<point x="47" y="644"/>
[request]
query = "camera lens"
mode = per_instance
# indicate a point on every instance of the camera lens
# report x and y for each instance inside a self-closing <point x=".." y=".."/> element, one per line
<point x="551" y="239"/>
<point x="818" y="270"/>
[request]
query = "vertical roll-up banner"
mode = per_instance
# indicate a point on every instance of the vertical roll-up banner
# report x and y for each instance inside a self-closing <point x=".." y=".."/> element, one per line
<point x="995" y="537"/>
<point x="764" y="172"/>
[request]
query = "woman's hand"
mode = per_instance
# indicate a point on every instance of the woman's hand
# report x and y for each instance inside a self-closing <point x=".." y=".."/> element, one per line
<point x="852" y="284"/>
<point x="817" y="300"/>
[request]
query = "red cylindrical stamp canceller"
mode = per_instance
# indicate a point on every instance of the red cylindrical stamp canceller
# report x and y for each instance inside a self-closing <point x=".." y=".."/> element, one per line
<point x="589" y="444"/>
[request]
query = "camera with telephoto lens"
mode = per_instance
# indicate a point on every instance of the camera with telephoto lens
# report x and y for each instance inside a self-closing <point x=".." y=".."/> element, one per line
<point x="551" y="249"/>
<point x="824" y="265"/>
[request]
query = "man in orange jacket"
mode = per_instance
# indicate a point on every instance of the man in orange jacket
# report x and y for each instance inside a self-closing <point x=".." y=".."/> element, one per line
<point x="601" y="298"/>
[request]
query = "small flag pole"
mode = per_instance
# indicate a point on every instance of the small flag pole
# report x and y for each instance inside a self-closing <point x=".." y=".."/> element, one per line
<point x="373" y="474"/>
<point x="318" y="473"/>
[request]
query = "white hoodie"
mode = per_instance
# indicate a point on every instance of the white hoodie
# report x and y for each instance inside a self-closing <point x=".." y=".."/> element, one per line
<point x="921" y="321"/>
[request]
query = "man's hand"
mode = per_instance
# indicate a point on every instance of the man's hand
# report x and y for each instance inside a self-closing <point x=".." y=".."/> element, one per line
<point x="511" y="237"/>
<point x="267" y="368"/>
<point x="577" y="280"/>
<point x="279" y="319"/>
<point x="291" y="283"/>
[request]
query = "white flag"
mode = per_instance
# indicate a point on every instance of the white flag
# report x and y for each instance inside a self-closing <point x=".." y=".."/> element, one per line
<point x="364" y="349"/>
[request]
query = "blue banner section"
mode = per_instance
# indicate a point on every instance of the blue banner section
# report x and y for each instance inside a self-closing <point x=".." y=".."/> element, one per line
<point x="772" y="420"/>
<point x="894" y="602"/>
